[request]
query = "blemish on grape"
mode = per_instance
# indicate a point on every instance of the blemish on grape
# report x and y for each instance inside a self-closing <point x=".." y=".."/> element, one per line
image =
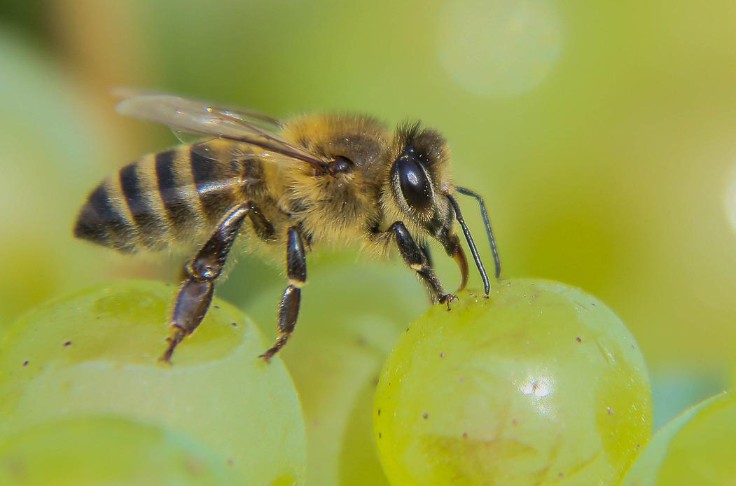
<point x="67" y="344"/>
<point x="425" y="415"/>
<point x="25" y="363"/>
<point x="579" y="339"/>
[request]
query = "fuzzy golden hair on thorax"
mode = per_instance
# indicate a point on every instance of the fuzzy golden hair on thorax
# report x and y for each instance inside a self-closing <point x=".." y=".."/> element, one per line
<point x="337" y="208"/>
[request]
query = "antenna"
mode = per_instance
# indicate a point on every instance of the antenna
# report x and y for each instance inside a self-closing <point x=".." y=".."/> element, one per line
<point x="471" y="244"/>
<point x="487" y="222"/>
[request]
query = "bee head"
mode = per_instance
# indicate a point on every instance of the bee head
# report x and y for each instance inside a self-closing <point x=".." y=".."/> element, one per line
<point x="421" y="187"/>
<point x="422" y="196"/>
<point x="419" y="180"/>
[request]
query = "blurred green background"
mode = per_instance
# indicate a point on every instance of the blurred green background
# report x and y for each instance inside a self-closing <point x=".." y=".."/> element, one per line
<point x="602" y="134"/>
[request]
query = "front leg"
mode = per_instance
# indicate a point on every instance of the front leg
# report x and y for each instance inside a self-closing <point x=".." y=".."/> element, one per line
<point x="296" y="271"/>
<point x="195" y="295"/>
<point x="417" y="261"/>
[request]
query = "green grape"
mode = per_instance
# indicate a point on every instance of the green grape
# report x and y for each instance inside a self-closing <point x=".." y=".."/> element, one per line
<point x="104" y="450"/>
<point x="96" y="352"/>
<point x="539" y="383"/>
<point x="697" y="447"/>
<point x="359" y="463"/>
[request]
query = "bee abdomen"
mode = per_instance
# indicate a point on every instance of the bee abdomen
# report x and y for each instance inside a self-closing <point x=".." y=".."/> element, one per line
<point x="125" y="212"/>
<point x="102" y="222"/>
<point x="197" y="191"/>
<point x="173" y="196"/>
<point x="176" y="192"/>
<point x="217" y="183"/>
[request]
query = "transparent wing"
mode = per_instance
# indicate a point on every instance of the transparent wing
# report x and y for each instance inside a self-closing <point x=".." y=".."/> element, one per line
<point x="206" y="120"/>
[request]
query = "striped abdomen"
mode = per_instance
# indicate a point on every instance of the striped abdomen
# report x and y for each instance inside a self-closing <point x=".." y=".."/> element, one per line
<point x="171" y="196"/>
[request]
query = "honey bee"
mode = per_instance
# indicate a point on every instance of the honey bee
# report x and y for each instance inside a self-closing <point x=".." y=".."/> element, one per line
<point x="324" y="179"/>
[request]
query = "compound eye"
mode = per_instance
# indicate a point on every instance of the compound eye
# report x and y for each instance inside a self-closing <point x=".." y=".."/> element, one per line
<point x="414" y="183"/>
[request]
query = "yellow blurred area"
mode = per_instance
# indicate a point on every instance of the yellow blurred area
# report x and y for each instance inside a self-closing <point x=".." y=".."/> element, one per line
<point x="609" y="168"/>
<point x="602" y="135"/>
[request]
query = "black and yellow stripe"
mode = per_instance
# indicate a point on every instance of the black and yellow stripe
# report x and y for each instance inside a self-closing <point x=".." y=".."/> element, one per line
<point x="214" y="184"/>
<point x="101" y="222"/>
<point x="143" y="203"/>
<point x="177" y="192"/>
<point x="169" y="197"/>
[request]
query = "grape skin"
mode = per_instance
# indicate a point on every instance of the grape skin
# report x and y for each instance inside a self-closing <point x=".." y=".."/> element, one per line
<point x="105" y="450"/>
<point x="696" y="447"/>
<point x="96" y="353"/>
<point x="540" y="383"/>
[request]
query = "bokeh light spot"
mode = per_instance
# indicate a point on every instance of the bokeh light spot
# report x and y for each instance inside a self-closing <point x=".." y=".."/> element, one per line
<point x="499" y="48"/>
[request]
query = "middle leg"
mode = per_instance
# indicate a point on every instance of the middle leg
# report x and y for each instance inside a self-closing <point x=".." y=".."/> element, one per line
<point x="296" y="270"/>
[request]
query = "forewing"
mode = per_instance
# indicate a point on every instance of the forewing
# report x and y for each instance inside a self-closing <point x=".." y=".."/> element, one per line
<point x="205" y="120"/>
<point x="253" y="117"/>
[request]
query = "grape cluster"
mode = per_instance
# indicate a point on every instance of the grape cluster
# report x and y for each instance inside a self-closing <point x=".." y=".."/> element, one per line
<point x="538" y="384"/>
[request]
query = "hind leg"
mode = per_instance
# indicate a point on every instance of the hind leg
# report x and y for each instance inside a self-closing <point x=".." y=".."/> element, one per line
<point x="200" y="273"/>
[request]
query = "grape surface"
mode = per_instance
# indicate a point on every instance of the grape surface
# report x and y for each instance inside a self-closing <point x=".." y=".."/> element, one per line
<point x="539" y="383"/>
<point x="96" y="353"/>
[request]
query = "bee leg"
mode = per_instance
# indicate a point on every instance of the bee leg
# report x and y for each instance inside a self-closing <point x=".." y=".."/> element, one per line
<point x="427" y="253"/>
<point x="455" y="250"/>
<point x="296" y="270"/>
<point x="428" y="257"/>
<point x="195" y="295"/>
<point x="415" y="257"/>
